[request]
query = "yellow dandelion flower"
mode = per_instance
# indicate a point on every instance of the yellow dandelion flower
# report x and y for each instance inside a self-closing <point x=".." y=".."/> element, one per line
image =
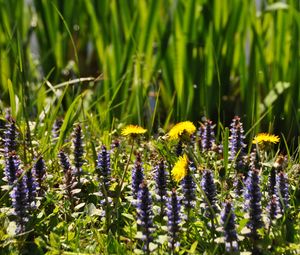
<point x="180" y="128"/>
<point x="179" y="170"/>
<point x="265" y="138"/>
<point x="133" y="130"/>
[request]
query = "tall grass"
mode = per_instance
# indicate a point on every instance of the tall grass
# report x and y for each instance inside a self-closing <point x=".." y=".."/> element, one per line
<point x="155" y="60"/>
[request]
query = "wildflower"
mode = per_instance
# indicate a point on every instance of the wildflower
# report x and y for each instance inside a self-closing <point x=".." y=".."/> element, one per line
<point x="228" y="222"/>
<point x="103" y="169"/>
<point x="137" y="175"/>
<point x="78" y="150"/>
<point x="19" y="196"/>
<point x="273" y="208"/>
<point x="185" y="127"/>
<point x="31" y="189"/>
<point x="209" y="188"/>
<point x="283" y="191"/>
<point x="133" y="130"/>
<point x="161" y="184"/>
<point x="207" y="135"/>
<point x="179" y="170"/>
<point x="11" y="167"/>
<point x="145" y="215"/>
<point x="10" y="136"/>
<point x="253" y="202"/>
<point x="39" y="170"/>
<point x="265" y="138"/>
<point x="64" y="161"/>
<point x="174" y="219"/>
<point x="236" y="143"/>
<point x="188" y="188"/>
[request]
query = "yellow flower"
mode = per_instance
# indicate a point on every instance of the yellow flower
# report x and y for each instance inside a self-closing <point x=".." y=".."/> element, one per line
<point x="133" y="130"/>
<point x="180" y="128"/>
<point x="265" y="138"/>
<point x="179" y="170"/>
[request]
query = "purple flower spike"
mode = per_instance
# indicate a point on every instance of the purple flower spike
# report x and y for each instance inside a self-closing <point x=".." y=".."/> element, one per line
<point x="228" y="223"/>
<point x="31" y="189"/>
<point x="145" y="216"/>
<point x="253" y="202"/>
<point x="137" y="175"/>
<point x="64" y="161"/>
<point x="19" y="196"/>
<point x="283" y="191"/>
<point x="207" y="135"/>
<point x="189" y="188"/>
<point x="39" y="171"/>
<point x="10" y="136"/>
<point x="78" y="150"/>
<point x="273" y="208"/>
<point x="12" y="163"/>
<point x="174" y="218"/>
<point x="209" y="189"/>
<point x="236" y="142"/>
<point x="104" y="172"/>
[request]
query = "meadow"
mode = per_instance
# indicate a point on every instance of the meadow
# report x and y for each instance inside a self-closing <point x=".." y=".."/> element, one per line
<point x="149" y="127"/>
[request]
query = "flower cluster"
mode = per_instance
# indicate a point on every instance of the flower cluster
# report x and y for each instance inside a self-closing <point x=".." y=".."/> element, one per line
<point x="228" y="222"/>
<point x="253" y="202"/>
<point x="78" y="150"/>
<point x="174" y="219"/>
<point x="10" y="136"/>
<point x="209" y="188"/>
<point x="103" y="171"/>
<point x="145" y="215"/>
<point x="207" y="135"/>
<point x="39" y="171"/>
<point x="137" y="175"/>
<point x="283" y="191"/>
<point x="189" y="188"/>
<point x="19" y="196"/>
<point x="236" y="142"/>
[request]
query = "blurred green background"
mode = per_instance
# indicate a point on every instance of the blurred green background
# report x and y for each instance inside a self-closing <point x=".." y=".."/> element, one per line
<point x="154" y="62"/>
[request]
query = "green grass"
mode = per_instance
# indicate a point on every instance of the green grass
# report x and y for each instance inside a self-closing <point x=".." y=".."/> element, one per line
<point x="194" y="58"/>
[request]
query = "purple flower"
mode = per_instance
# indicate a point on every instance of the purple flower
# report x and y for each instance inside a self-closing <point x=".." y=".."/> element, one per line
<point x="253" y="202"/>
<point x="39" y="171"/>
<point x="12" y="163"/>
<point x="64" y="161"/>
<point x="78" y="150"/>
<point x="145" y="215"/>
<point x="189" y="188"/>
<point x="207" y="135"/>
<point x="19" y="196"/>
<point x="236" y="142"/>
<point x="10" y="136"/>
<point x="137" y="175"/>
<point x="283" y="191"/>
<point x="273" y="208"/>
<point x="174" y="219"/>
<point x="228" y="223"/>
<point x="209" y="189"/>
<point x="31" y="189"/>
<point x="103" y="170"/>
